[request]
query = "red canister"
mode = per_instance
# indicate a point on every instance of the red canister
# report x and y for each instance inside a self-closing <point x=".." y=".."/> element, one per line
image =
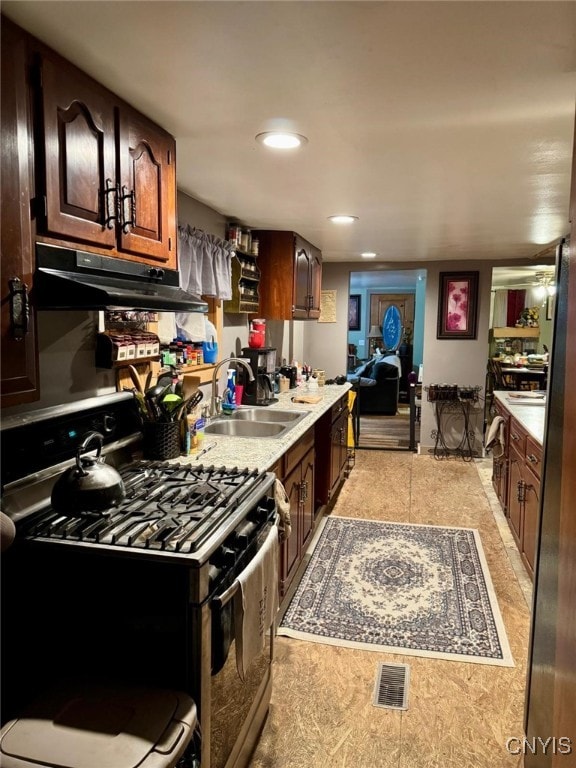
<point x="257" y="334"/>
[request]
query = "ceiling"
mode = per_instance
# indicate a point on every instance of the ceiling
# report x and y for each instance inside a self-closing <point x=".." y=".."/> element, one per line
<point x="446" y="127"/>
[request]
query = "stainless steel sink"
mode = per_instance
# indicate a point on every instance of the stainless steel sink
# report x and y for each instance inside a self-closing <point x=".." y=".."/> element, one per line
<point x="239" y="428"/>
<point x="266" y="414"/>
<point x="255" y="422"/>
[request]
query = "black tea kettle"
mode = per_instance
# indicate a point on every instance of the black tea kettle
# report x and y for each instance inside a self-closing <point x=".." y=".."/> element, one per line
<point x="89" y="486"/>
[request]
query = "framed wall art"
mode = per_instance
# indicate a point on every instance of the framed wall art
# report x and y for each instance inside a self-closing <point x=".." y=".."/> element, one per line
<point x="354" y="313"/>
<point x="458" y="305"/>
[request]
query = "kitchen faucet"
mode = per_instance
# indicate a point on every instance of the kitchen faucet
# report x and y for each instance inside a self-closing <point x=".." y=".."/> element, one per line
<point x="214" y="399"/>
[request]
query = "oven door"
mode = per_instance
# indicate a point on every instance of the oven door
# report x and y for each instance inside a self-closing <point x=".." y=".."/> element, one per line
<point x="238" y="706"/>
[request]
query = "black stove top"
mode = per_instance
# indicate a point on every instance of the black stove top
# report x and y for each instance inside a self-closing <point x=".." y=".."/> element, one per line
<point x="171" y="508"/>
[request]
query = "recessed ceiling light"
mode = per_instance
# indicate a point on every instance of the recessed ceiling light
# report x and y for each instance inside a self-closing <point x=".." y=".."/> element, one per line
<point x="368" y="255"/>
<point x="281" y="139"/>
<point x="343" y="219"/>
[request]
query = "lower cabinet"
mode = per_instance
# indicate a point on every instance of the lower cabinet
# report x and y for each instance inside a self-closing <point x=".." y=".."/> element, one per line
<point x="296" y="471"/>
<point x="520" y="469"/>
<point x="515" y="505"/>
<point x="332" y="454"/>
<point x="500" y="463"/>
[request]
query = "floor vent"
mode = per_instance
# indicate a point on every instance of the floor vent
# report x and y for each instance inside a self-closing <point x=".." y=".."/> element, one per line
<point x="391" y="689"/>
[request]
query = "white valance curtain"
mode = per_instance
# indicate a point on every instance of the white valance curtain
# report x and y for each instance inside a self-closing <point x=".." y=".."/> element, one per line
<point x="205" y="263"/>
<point x="499" y="309"/>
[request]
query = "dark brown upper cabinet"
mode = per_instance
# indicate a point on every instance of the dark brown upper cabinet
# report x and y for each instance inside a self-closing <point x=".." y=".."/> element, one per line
<point x="106" y="173"/>
<point x="285" y="256"/>
<point x="19" y="348"/>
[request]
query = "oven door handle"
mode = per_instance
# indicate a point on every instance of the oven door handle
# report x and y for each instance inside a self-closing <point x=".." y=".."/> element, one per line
<point x="220" y="600"/>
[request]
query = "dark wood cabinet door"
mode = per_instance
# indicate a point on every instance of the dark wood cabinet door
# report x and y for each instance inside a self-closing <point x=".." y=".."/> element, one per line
<point x="307" y="280"/>
<point x="19" y="346"/>
<point x="515" y="505"/>
<point x="290" y="552"/>
<point x="338" y="451"/>
<point x="307" y="518"/>
<point x="500" y="481"/>
<point x="344" y="444"/>
<point x="301" y="280"/>
<point x="315" y="283"/>
<point x="147" y="179"/>
<point x="78" y="155"/>
<point x="530" y="523"/>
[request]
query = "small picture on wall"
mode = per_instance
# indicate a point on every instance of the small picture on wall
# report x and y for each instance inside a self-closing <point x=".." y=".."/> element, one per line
<point x="457" y="305"/>
<point x="354" y="313"/>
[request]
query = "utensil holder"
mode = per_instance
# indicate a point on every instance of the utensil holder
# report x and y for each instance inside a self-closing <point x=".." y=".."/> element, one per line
<point x="161" y="440"/>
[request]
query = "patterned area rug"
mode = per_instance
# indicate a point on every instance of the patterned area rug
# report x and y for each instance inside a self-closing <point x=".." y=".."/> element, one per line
<point x="422" y="590"/>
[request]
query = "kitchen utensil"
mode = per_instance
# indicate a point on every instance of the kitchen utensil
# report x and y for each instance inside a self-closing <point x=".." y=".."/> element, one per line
<point x="90" y="485"/>
<point x="169" y="406"/>
<point x="190" y="384"/>
<point x="143" y="406"/>
<point x="205" y="450"/>
<point x="136" y="380"/>
<point x="194" y="401"/>
<point x="154" y="395"/>
<point x="183" y="407"/>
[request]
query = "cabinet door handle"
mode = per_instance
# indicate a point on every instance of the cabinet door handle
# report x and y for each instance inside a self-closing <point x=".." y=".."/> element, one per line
<point x="532" y="459"/>
<point x="514" y="436"/>
<point x="128" y="222"/>
<point x="112" y="208"/>
<point x="19" y="308"/>
<point x="521" y="491"/>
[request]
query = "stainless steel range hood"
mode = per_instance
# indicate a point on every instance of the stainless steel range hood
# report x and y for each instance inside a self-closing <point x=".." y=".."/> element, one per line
<point x="71" y="279"/>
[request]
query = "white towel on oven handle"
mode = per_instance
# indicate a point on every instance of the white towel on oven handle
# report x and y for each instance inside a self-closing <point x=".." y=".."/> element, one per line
<point x="256" y="602"/>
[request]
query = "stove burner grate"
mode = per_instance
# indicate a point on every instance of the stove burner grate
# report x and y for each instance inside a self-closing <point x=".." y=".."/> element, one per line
<point x="168" y="507"/>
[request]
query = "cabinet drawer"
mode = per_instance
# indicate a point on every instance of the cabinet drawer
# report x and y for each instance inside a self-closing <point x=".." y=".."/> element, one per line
<point x="296" y="453"/>
<point x="338" y="407"/>
<point x="533" y="455"/>
<point x="500" y="410"/>
<point x="517" y="437"/>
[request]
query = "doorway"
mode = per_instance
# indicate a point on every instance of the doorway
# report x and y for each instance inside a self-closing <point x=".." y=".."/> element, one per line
<point x="381" y="355"/>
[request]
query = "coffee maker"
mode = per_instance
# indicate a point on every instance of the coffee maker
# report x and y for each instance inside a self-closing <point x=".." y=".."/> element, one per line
<point x="263" y="364"/>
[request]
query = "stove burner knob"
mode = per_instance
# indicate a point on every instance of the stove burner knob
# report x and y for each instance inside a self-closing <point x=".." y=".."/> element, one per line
<point x="224" y="558"/>
<point x="109" y="423"/>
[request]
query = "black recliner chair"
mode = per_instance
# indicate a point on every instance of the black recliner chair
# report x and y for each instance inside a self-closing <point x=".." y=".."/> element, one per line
<point x="378" y="390"/>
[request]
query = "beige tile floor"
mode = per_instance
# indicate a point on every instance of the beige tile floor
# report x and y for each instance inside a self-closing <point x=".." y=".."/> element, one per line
<point x="459" y="714"/>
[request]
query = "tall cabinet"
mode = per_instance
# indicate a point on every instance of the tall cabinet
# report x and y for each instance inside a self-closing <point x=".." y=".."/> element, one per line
<point x="290" y="276"/>
<point x="19" y="344"/>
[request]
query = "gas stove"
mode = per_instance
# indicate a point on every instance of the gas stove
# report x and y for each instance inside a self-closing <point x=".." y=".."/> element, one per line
<point x="169" y="510"/>
<point x="142" y="592"/>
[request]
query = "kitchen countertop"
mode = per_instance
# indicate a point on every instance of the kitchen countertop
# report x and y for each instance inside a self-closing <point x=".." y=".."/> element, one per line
<point x="262" y="453"/>
<point x="531" y="417"/>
